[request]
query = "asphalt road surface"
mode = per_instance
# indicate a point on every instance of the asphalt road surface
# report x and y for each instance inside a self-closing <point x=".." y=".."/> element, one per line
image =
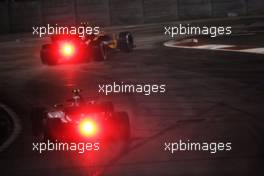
<point x="211" y="96"/>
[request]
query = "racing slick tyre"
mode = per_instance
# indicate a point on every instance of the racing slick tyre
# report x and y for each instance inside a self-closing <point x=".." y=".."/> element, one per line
<point x="37" y="115"/>
<point x="47" y="132"/>
<point x="108" y="106"/>
<point x="100" y="51"/>
<point x="122" y="125"/>
<point x="45" y="55"/>
<point x="126" y="41"/>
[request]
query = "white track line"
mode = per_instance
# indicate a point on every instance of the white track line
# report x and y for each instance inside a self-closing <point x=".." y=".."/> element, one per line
<point x="213" y="46"/>
<point x="254" y="50"/>
<point x="219" y="47"/>
<point x="16" y="130"/>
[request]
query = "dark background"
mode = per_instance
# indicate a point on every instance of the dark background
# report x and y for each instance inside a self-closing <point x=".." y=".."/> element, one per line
<point x="21" y="15"/>
<point x="212" y="95"/>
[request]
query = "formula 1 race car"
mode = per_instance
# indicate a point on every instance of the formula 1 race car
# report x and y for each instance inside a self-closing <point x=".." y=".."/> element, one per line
<point x="72" y="48"/>
<point x="80" y="120"/>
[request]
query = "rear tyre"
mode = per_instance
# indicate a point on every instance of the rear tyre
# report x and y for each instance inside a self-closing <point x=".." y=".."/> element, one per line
<point x="46" y="56"/>
<point x="100" y="51"/>
<point x="47" y="135"/>
<point x="108" y="106"/>
<point x="37" y="119"/>
<point x="122" y="126"/>
<point x="126" y="41"/>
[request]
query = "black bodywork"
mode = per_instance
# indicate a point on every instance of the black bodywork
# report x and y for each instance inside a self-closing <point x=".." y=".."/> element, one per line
<point x="88" y="48"/>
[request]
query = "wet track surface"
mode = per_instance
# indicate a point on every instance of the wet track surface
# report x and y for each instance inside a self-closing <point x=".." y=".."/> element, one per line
<point x="211" y="96"/>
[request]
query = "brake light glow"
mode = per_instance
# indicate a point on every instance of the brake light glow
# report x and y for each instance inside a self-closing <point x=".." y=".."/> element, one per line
<point x="67" y="49"/>
<point x="88" y="127"/>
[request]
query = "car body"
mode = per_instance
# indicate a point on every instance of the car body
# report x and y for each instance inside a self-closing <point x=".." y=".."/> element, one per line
<point x="73" y="49"/>
<point x="80" y="120"/>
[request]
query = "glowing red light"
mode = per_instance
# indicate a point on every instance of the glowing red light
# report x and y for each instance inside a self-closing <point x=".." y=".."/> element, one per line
<point x="88" y="127"/>
<point x="67" y="49"/>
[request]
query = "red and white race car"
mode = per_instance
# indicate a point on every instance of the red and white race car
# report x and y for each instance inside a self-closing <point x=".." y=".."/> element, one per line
<point x="80" y="120"/>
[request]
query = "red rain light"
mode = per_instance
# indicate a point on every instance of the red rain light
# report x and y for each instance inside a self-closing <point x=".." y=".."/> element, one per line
<point x="67" y="49"/>
<point x="88" y="127"/>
